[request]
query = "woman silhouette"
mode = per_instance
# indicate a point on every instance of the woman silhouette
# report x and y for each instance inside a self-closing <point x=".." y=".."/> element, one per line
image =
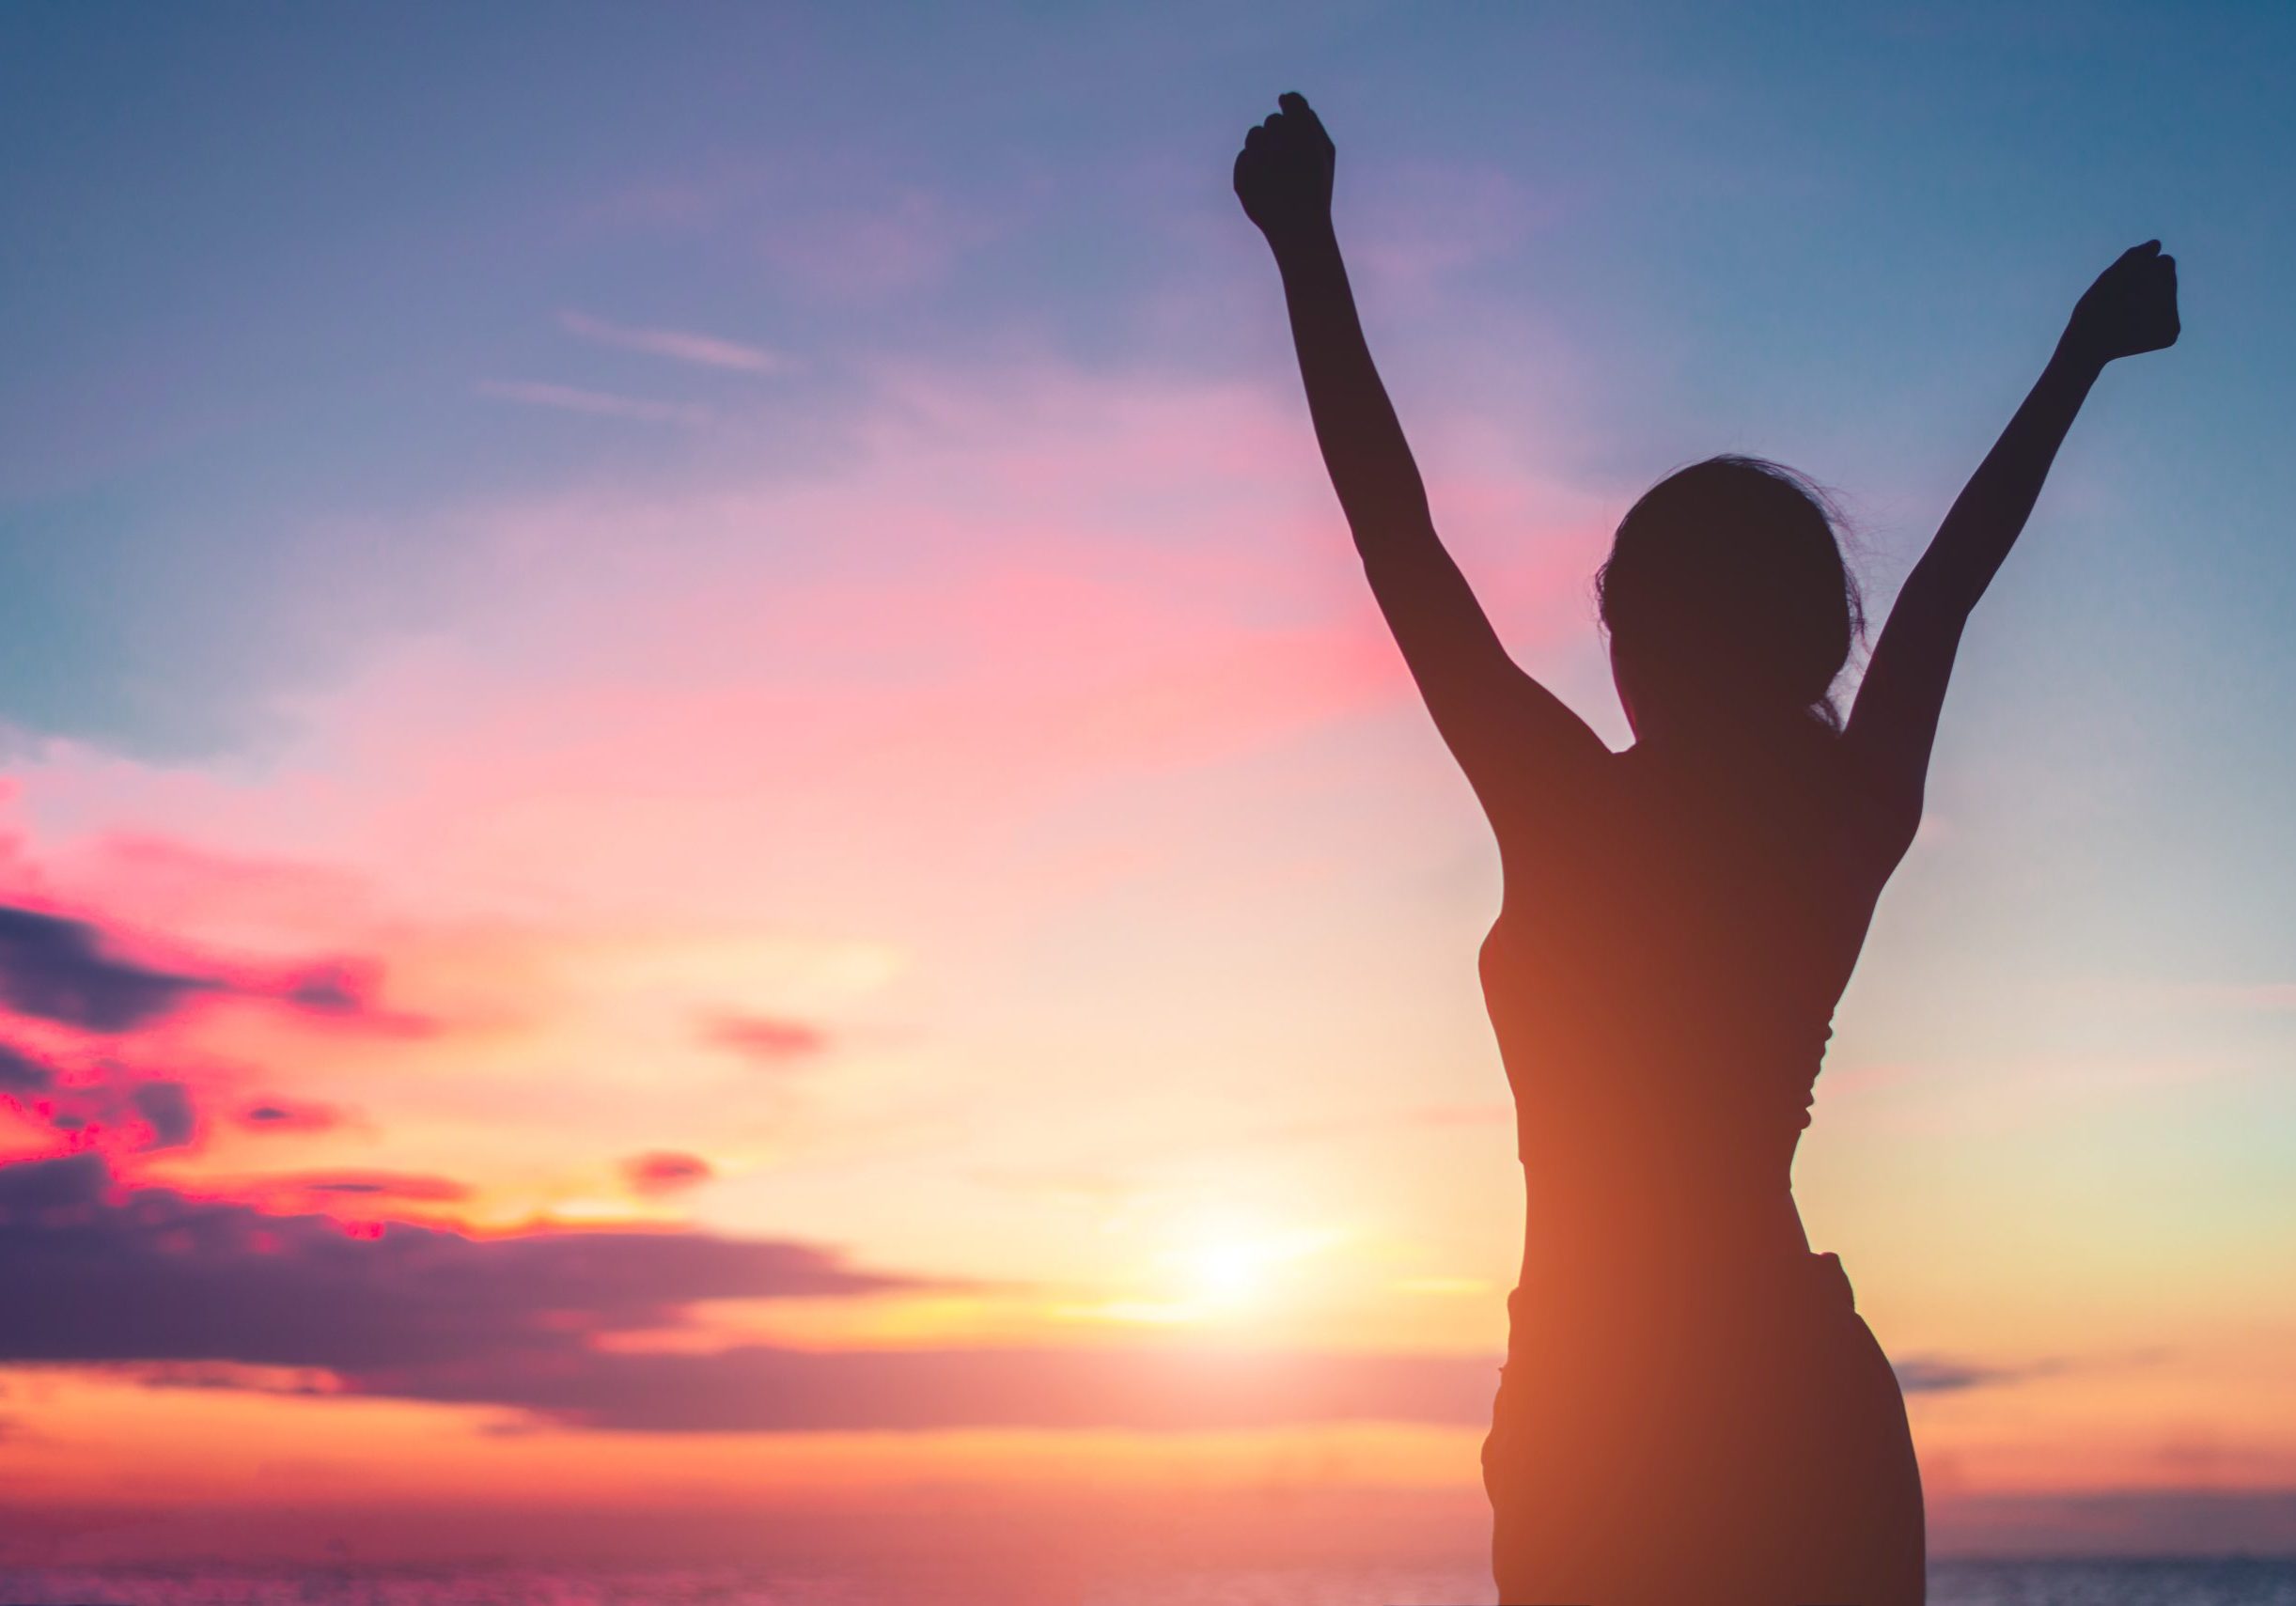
<point x="1692" y="1410"/>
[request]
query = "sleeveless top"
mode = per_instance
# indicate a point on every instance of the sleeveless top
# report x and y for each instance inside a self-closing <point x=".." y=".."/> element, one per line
<point x="1661" y="981"/>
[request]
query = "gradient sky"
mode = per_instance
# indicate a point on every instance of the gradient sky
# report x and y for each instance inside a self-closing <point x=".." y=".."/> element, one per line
<point x="703" y="813"/>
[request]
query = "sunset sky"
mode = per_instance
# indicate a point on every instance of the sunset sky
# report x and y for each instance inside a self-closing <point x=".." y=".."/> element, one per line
<point x="702" y="813"/>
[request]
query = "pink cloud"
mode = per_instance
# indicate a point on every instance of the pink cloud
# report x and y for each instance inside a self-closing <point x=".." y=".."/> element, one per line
<point x="277" y="1115"/>
<point x="665" y="1171"/>
<point x="1414" y="225"/>
<point x="1006" y="591"/>
<point x="374" y="1187"/>
<point x="766" y="1040"/>
<point x="594" y="403"/>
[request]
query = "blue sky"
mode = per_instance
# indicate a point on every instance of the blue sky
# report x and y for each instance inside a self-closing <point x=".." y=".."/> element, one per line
<point x="271" y="263"/>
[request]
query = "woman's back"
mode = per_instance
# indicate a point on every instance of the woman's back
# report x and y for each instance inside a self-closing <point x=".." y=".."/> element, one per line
<point x="1690" y="1408"/>
<point x="1662" y="982"/>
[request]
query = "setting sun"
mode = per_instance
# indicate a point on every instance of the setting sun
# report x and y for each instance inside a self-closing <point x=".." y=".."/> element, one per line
<point x="1235" y="1267"/>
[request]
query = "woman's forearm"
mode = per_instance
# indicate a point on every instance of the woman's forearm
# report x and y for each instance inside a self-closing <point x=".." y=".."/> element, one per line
<point x="1363" y="443"/>
<point x="2130" y="308"/>
<point x="1990" y="512"/>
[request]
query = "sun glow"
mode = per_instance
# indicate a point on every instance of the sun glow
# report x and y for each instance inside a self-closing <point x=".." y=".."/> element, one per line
<point x="1229" y="1267"/>
<point x="1215" y="1270"/>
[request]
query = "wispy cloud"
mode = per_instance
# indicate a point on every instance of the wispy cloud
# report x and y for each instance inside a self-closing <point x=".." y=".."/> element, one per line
<point x="278" y="1115"/>
<point x="886" y="247"/>
<point x="678" y="345"/>
<point x="596" y="403"/>
<point x="766" y="1039"/>
<point x="2140" y="993"/>
<point x="394" y="1186"/>
<point x="1949" y="1374"/>
<point x="665" y="1171"/>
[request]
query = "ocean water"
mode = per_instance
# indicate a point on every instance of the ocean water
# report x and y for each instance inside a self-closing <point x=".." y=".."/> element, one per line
<point x="2230" y="1581"/>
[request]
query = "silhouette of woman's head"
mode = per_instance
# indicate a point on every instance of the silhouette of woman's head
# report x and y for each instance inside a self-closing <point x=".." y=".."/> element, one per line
<point x="1728" y="601"/>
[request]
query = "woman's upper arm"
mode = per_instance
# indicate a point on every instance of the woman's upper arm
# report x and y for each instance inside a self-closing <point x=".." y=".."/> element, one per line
<point x="1523" y="751"/>
<point x="1893" y="724"/>
<point x="1518" y="743"/>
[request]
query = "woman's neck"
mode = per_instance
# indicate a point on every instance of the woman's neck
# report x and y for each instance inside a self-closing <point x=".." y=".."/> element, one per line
<point x="1731" y="743"/>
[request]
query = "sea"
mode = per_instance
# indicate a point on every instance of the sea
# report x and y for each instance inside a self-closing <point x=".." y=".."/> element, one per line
<point x="2227" y="1581"/>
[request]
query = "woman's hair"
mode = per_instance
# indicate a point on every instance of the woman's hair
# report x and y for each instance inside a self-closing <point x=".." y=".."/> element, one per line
<point x="1725" y="594"/>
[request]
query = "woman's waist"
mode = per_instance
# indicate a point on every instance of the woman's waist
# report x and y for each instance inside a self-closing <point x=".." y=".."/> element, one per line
<point x="1644" y="1341"/>
<point x="1645" y="1122"/>
<point x="1647" y="1185"/>
<point x="1705" y="1303"/>
<point x="1690" y="1230"/>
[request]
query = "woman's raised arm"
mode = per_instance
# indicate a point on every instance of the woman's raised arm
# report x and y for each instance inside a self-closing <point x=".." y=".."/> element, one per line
<point x="1507" y="732"/>
<point x="2130" y="308"/>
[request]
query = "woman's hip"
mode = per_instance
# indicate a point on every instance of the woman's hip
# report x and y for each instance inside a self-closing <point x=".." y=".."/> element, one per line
<point x="1753" y="1439"/>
